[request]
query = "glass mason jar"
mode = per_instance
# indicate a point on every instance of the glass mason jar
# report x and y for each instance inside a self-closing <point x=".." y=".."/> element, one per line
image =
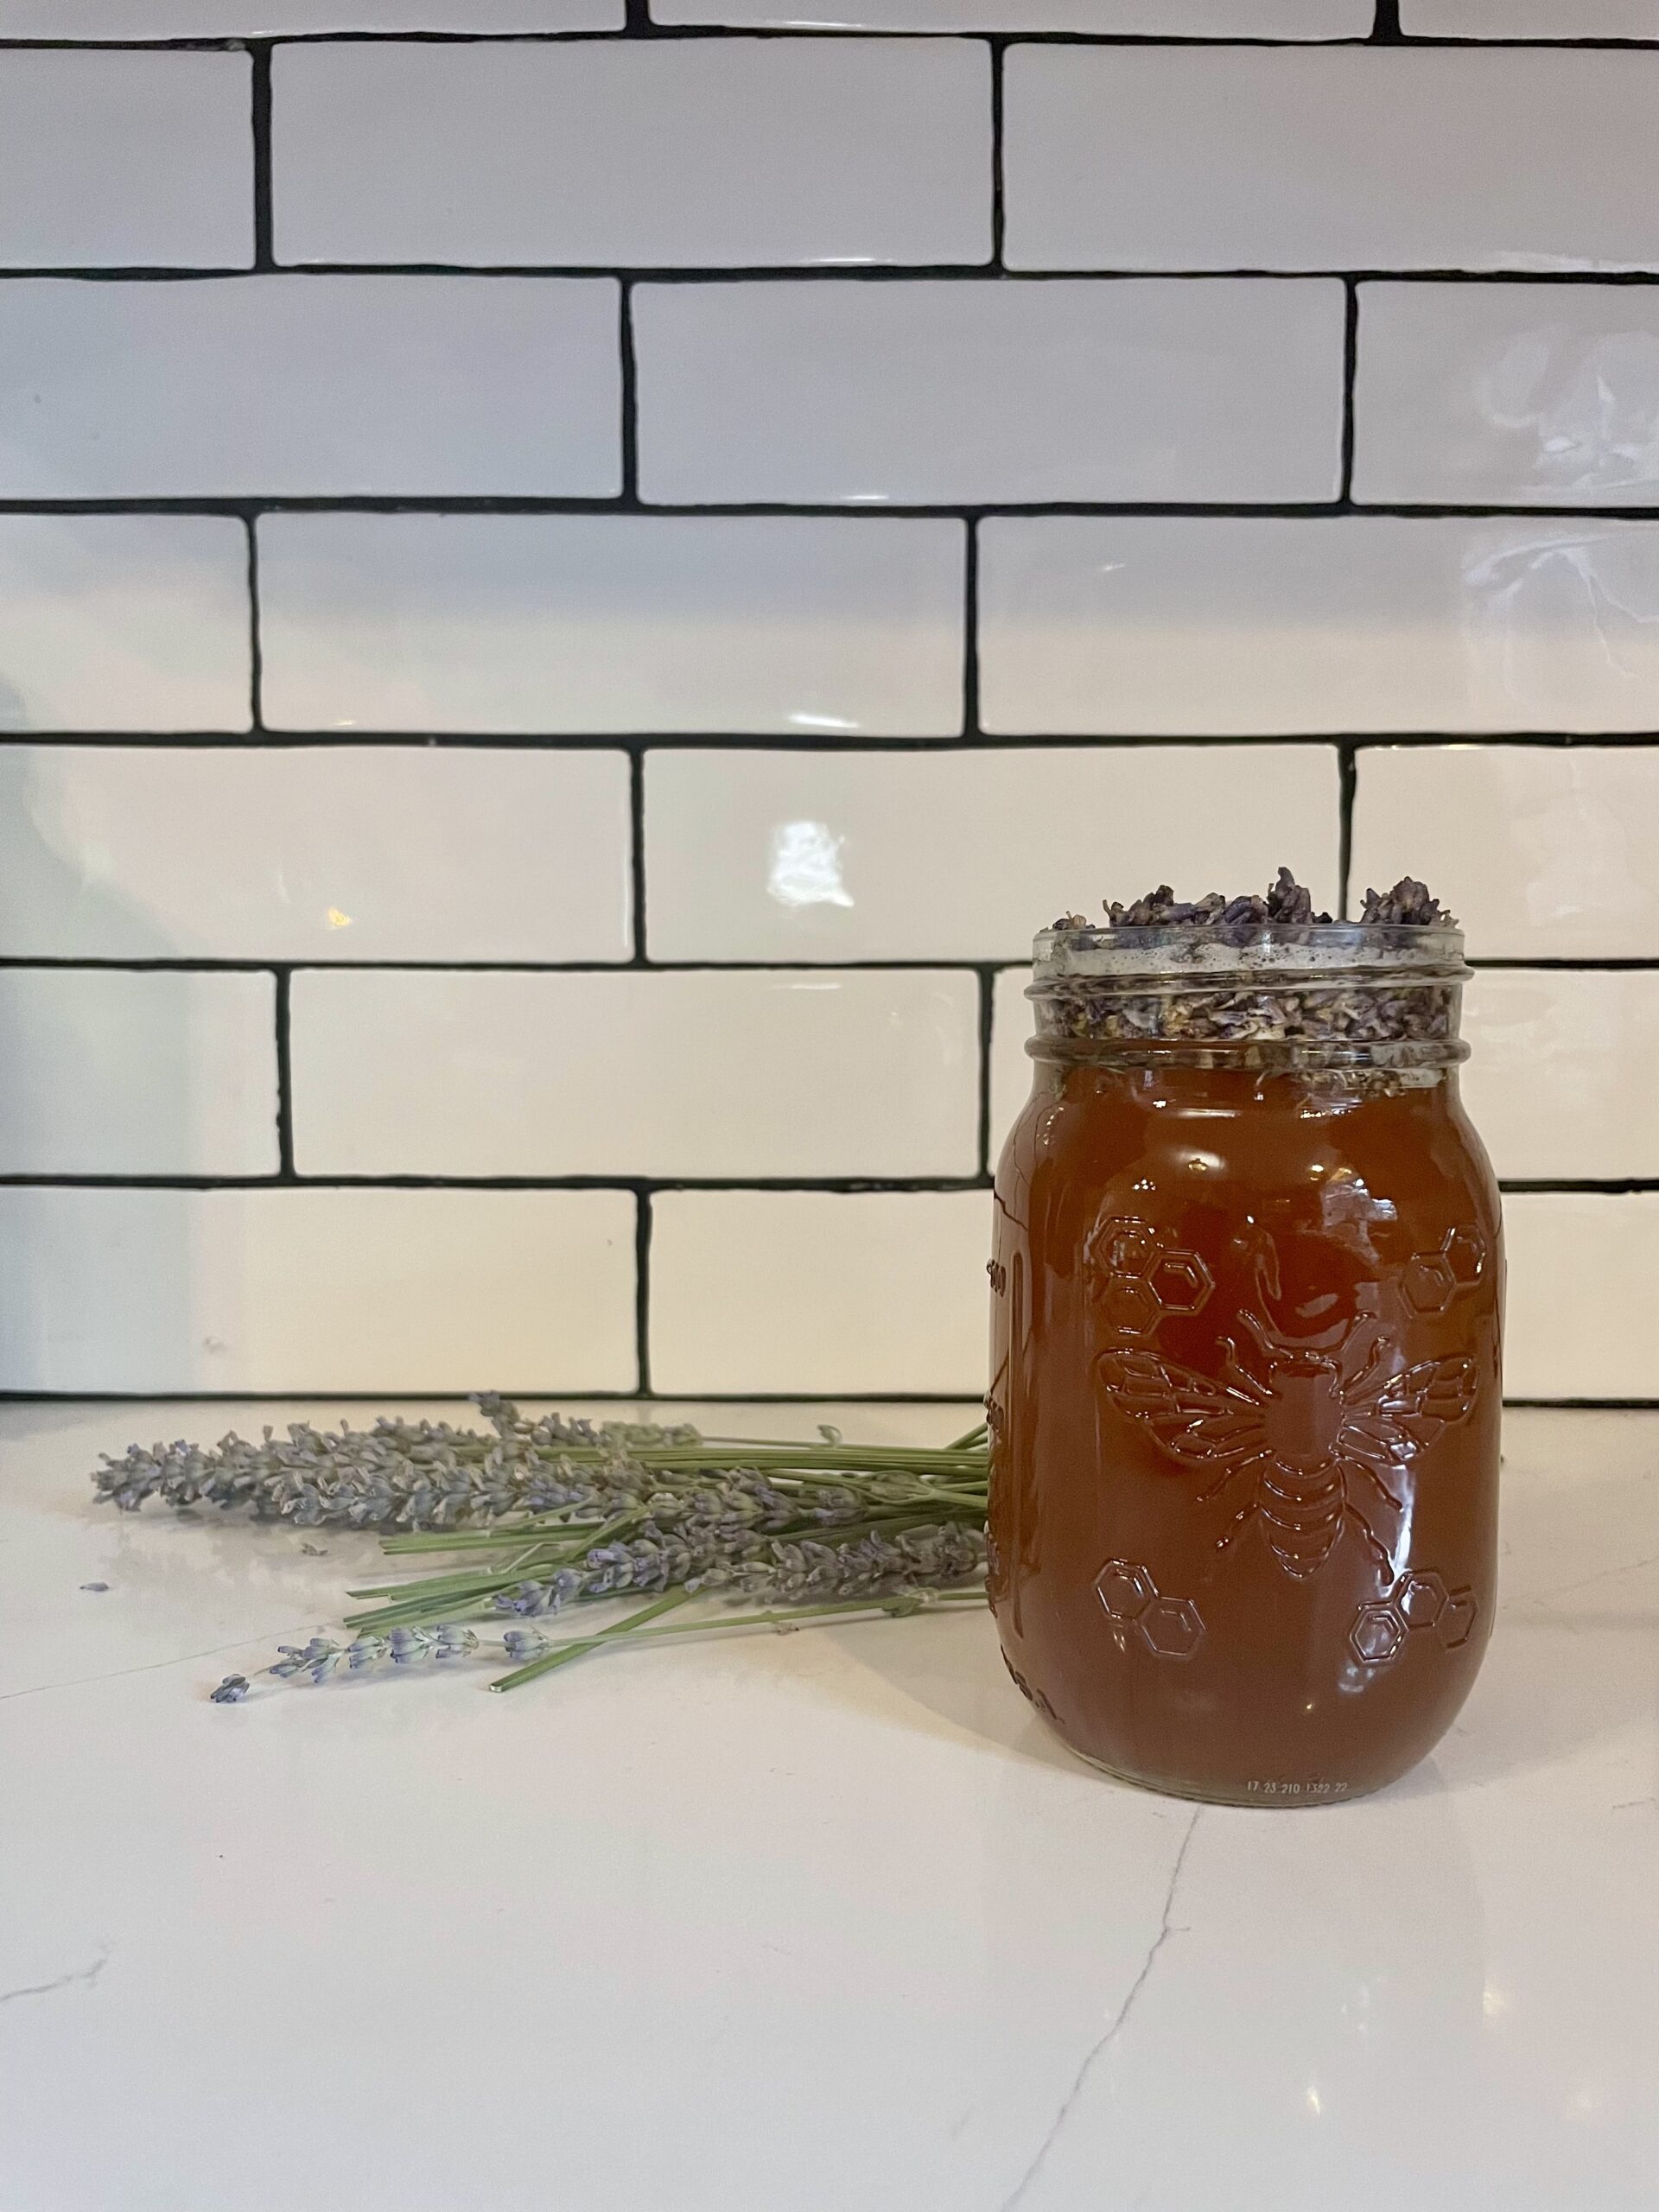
<point x="1245" y="1358"/>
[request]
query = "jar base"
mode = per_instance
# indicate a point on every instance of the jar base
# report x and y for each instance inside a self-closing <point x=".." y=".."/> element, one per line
<point x="1248" y="1801"/>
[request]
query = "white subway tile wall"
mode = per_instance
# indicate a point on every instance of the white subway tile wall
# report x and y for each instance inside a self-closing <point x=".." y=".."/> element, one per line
<point x="1508" y="395"/>
<point x="668" y="153"/>
<point x="958" y="855"/>
<point x="1246" y="625"/>
<point x="508" y="877"/>
<point x="138" y="1072"/>
<point x="1010" y="390"/>
<point x="859" y="1072"/>
<point x="1285" y="19"/>
<point x="1554" y="849"/>
<point x="770" y="1291"/>
<point x="296" y="1292"/>
<point x="1328" y="157"/>
<point x="508" y="624"/>
<point x="123" y="622"/>
<point x="118" y="160"/>
<point x="293" y="854"/>
<point x="1545" y="19"/>
<point x="310" y="385"/>
<point x="120" y="19"/>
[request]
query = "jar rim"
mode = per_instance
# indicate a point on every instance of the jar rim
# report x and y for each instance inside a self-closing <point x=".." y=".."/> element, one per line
<point x="1213" y="949"/>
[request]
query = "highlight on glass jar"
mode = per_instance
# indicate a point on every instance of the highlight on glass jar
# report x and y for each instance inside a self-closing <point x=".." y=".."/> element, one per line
<point x="1246" y="1307"/>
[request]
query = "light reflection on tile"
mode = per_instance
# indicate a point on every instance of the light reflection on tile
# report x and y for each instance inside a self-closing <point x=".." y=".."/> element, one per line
<point x="1534" y="394"/>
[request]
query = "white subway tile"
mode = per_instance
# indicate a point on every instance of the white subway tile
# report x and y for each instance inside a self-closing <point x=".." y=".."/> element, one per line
<point x="1288" y="157"/>
<point x="312" y="1291"/>
<point x="117" y="160"/>
<point x="118" y="622"/>
<point x="329" y="853"/>
<point x="1241" y="626"/>
<point x="667" y="152"/>
<point x="159" y="1072"/>
<point x="1565" y="1070"/>
<point x="990" y="390"/>
<point x="524" y="623"/>
<point x="1529" y="18"/>
<point x="757" y="1291"/>
<point x="310" y="383"/>
<point x="1580" y="1309"/>
<point x="1011" y="1067"/>
<point x="94" y="20"/>
<point x="1292" y="19"/>
<point x="750" y="1075"/>
<point x="960" y="855"/>
<point x="1480" y="394"/>
<point x="1546" y="852"/>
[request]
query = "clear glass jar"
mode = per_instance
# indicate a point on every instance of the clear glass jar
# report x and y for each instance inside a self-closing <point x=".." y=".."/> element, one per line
<point x="1244" y="1409"/>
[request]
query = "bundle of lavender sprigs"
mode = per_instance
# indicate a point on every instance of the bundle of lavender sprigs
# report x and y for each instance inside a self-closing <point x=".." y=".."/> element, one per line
<point x="542" y="1514"/>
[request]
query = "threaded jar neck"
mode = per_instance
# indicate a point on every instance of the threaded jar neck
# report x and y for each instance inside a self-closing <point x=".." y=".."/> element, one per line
<point x="1274" y="995"/>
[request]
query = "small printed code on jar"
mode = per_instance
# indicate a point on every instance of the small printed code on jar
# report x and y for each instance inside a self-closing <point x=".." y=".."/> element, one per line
<point x="1296" y="1788"/>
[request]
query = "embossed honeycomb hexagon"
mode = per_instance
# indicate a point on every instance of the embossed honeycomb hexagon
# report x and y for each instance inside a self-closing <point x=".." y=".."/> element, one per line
<point x="1420" y="1599"/>
<point x="1125" y="1590"/>
<point x="1130" y="1306"/>
<point x="1127" y="1246"/>
<point x="1428" y="1282"/>
<point x="1181" y="1282"/>
<point x="1465" y="1254"/>
<point x="1172" y="1627"/>
<point x="1377" y="1633"/>
<point x="1457" y="1621"/>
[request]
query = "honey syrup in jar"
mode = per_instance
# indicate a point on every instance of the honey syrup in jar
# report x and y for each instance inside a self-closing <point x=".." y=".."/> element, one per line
<point x="1247" y="1285"/>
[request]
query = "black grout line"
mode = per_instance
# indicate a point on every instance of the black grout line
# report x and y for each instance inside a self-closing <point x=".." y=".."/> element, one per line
<point x="970" y="732"/>
<point x="637" y="858"/>
<point x="630" y="493"/>
<point x="999" y="218"/>
<point x="1347" y="781"/>
<point x="264" y="254"/>
<point x="956" y="272"/>
<point x="987" y="1026"/>
<point x="1350" y="374"/>
<point x="644" y="1222"/>
<point x="252" y="506"/>
<point x="255" y="728"/>
<point x="638" y="27"/>
<point x="643" y="1187"/>
<point x="940" y="964"/>
<point x="931" y="965"/>
<point x="285" y="1170"/>
<point x="807" y="741"/>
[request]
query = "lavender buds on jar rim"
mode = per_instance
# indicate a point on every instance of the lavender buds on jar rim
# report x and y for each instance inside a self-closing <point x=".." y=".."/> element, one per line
<point x="1229" y="980"/>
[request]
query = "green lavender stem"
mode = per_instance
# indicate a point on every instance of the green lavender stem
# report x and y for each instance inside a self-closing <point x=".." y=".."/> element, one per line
<point x="781" y="1619"/>
<point x="578" y="1647"/>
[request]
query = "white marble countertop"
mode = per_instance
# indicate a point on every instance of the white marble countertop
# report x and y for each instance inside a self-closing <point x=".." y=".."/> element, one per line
<point x="818" y="1924"/>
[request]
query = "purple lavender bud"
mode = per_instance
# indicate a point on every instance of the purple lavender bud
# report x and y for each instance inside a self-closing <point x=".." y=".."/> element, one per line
<point x="231" y="1690"/>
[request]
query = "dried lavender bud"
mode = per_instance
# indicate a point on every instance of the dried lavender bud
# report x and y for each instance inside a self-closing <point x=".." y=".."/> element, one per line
<point x="1409" y="905"/>
<point x="1286" y="901"/>
<point x="522" y="1645"/>
<point x="231" y="1691"/>
<point x="319" y="1658"/>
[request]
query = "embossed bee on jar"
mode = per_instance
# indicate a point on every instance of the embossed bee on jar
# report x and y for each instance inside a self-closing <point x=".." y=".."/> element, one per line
<point x="1313" y="1428"/>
